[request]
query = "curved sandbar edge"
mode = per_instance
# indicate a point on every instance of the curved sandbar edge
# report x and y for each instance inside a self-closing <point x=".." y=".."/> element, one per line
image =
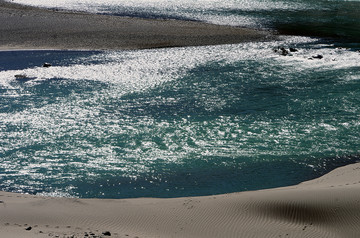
<point x="325" y="207"/>
<point x="25" y="27"/>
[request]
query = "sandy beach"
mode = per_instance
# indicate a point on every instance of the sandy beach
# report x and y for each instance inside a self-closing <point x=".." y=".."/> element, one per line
<point x="24" y="27"/>
<point x="325" y="207"/>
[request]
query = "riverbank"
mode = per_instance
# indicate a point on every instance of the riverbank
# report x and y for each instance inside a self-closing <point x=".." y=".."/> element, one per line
<point x="25" y="27"/>
<point x="325" y="207"/>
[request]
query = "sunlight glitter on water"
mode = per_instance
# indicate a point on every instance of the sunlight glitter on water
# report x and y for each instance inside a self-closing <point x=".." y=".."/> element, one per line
<point x="212" y="11"/>
<point x="149" y="116"/>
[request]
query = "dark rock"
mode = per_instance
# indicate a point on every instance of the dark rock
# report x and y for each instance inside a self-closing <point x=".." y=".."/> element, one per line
<point x="318" y="57"/>
<point x="28" y="228"/>
<point x="23" y="77"/>
<point x="46" y="65"/>
<point x="106" y="233"/>
<point x="284" y="51"/>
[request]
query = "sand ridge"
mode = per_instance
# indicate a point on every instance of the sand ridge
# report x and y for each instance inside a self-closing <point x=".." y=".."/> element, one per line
<point x="325" y="207"/>
<point x="24" y="27"/>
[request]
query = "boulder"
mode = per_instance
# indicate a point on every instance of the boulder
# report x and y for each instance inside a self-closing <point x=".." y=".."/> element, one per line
<point x="318" y="57"/>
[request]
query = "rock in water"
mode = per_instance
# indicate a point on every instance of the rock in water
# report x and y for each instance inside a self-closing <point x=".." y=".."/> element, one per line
<point x="282" y="51"/>
<point x="318" y="57"/>
<point x="23" y="77"/>
<point x="46" y="65"/>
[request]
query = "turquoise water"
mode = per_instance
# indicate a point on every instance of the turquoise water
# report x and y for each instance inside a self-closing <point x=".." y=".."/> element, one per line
<point x="183" y="121"/>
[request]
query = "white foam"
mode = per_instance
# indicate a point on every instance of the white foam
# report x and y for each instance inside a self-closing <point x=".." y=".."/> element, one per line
<point x="96" y="6"/>
<point x="130" y="71"/>
<point x="142" y="69"/>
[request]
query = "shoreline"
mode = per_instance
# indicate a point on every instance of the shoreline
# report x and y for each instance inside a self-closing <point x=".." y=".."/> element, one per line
<point x="328" y="206"/>
<point x="26" y="27"/>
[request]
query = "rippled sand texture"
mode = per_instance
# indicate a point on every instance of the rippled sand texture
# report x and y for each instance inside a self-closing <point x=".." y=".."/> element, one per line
<point x="326" y="207"/>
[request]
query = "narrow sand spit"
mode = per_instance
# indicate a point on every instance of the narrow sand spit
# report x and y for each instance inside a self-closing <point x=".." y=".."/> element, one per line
<point x="325" y="207"/>
<point x="24" y="27"/>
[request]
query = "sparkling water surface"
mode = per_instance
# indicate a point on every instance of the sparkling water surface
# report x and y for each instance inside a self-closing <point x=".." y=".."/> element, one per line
<point x="181" y="121"/>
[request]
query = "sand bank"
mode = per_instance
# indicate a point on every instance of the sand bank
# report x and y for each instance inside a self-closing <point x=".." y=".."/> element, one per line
<point x="24" y="27"/>
<point x="325" y="207"/>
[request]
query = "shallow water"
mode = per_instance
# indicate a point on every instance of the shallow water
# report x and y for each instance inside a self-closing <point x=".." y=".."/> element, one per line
<point x="177" y="122"/>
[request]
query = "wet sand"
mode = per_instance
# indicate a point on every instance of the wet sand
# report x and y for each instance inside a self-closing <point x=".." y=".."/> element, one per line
<point x="24" y="27"/>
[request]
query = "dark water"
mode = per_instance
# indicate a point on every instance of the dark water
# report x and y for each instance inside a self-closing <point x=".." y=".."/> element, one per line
<point x="336" y="19"/>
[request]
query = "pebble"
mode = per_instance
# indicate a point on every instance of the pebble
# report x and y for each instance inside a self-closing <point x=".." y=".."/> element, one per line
<point x="106" y="233"/>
